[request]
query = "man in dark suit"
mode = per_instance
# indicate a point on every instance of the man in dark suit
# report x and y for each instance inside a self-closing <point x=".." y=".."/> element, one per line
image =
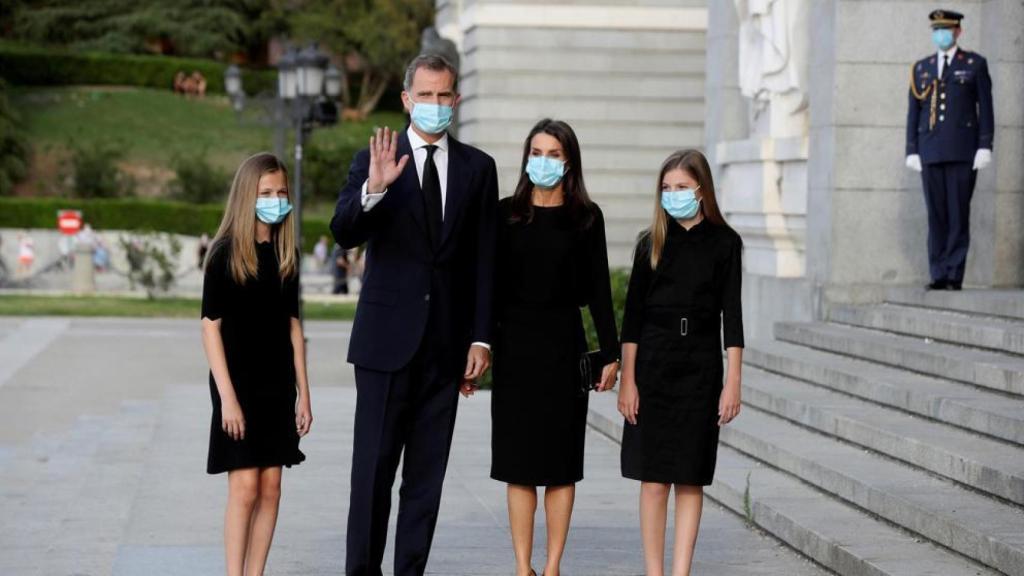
<point x="425" y="205"/>
<point x="950" y="127"/>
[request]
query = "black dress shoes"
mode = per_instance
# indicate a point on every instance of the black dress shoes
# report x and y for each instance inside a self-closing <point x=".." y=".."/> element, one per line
<point x="937" y="285"/>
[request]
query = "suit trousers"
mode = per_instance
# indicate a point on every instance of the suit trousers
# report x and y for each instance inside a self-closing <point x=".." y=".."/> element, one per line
<point x="948" y="188"/>
<point x="411" y="411"/>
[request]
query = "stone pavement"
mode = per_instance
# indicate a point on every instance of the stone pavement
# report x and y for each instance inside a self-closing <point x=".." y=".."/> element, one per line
<point x="103" y="428"/>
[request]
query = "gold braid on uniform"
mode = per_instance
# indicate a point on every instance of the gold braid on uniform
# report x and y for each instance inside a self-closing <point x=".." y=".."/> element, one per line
<point x="924" y="94"/>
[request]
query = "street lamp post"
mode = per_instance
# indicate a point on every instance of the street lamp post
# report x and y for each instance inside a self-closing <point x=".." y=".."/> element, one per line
<point x="307" y="87"/>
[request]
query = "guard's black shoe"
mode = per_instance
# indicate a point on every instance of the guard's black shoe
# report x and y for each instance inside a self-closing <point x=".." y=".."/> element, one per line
<point x="937" y="285"/>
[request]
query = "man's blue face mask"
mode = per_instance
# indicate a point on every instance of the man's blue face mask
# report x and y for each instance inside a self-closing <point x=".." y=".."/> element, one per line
<point x="943" y="38"/>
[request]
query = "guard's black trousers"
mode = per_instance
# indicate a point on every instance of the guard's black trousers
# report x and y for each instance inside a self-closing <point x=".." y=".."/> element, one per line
<point x="948" y="187"/>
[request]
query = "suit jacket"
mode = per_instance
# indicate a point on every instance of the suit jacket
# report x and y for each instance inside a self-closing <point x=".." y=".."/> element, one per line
<point x="406" y="282"/>
<point x="962" y="119"/>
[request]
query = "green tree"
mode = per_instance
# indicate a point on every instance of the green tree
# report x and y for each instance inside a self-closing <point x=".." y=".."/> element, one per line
<point x="13" y="145"/>
<point x="207" y="28"/>
<point x="382" y="34"/>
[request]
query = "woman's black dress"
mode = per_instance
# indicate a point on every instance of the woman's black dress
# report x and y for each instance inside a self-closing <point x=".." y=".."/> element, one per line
<point x="547" y="270"/>
<point x="677" y="315"/>
<point x="255" y="328"/>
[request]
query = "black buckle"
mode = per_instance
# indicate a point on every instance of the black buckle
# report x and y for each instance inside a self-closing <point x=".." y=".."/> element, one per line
<point x="684" y="326"/>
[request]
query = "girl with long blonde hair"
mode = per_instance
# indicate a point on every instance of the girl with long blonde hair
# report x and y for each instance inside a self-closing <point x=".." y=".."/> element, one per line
<point x="683" y="306"/>
<point x="256" y="350"/>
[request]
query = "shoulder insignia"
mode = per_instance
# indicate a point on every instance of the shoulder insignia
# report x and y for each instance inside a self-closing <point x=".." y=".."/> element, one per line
<point x="970" y="60"/>
<point x="959" y="55"/>
<point x="931" y="60"/>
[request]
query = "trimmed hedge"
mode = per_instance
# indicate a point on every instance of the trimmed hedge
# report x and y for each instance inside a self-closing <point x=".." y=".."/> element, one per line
<point x="35" y="66"/>
<point x="132" y="214"/>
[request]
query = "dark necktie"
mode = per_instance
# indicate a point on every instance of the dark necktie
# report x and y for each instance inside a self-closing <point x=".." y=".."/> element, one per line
<point x="945" y="65"/>
<point x="432" y="197"/>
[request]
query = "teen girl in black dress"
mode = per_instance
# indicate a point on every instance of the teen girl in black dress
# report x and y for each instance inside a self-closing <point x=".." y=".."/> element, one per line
<point x="254" y="344"/>
<point x="682" y="308"/>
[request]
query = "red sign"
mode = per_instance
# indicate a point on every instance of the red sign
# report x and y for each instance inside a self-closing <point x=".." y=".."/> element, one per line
<point x="69" y="221"/>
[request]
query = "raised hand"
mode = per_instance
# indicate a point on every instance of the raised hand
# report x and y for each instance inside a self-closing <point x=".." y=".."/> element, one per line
<point x="383" y="168"/>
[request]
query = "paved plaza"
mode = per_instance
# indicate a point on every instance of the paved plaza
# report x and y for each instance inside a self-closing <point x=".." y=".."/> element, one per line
<point x="103" y="436"/>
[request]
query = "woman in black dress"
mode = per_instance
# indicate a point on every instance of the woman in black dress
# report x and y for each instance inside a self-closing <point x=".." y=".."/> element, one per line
<point x="552" y="260"/>
<point x="682" y="308"/>
<point x="255" y="346"/>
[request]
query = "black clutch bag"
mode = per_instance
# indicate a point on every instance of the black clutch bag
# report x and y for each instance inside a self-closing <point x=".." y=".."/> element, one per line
<point x="591" y="364"/>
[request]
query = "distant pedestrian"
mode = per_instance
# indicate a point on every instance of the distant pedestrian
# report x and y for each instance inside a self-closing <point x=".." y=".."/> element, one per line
<point x="320" y="254"/>
<point x="26" y="254"/>
<point x="339" y="270"/>
<point x="682" y="306"/>
<point x="202" y="249"/>
<point x="255" y="347"/>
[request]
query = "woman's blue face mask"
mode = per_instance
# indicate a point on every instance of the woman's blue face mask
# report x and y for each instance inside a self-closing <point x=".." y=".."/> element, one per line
<point x="544" y="171"/>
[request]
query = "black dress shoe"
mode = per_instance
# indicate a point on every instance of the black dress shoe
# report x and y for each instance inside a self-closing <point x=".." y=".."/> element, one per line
<point x="937" y="285"/>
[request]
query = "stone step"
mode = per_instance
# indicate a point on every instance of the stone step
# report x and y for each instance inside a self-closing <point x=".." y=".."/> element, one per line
<point x="1005" y="303"/>
<point x="958" y="404"/>
<point x="591" y="133"/>
<point x="581" y="110"/>
<point x="653" y="62"/>
<point x="999" y="334"/>
<point x="963" y="520"/>
<point x="983" y="368"/>
<point x="831" y="532"/>
<point x="990" y="466"/>
<point x="556" y="84"/>
<point x="592" y="39"/>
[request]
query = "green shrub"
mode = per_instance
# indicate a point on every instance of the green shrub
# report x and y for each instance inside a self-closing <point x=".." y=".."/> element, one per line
<point x="197" y="180"/>
<point x="35" y="66"/>
<point x="95" y="171"/>
<point x="132" y="214"/>
<point x="325" y="168"/>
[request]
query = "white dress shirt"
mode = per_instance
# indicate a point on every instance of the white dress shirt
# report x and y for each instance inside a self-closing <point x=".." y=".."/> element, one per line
<point x="419" y="157"/>
<point x="942" y="58"/>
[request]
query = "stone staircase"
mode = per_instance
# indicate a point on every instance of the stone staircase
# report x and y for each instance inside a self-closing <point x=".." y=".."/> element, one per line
<point x="887" y="439"/>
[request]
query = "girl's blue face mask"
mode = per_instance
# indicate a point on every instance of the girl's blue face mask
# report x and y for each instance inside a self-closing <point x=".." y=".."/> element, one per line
<point x="544" y="171"/>
<point x="943" y="38"/>
<point x="681" y="204"/>
<point x="272" y="210"/>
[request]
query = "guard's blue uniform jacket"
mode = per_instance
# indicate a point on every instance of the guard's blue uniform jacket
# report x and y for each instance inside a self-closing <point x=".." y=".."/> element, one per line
<point x="950" y="117"/>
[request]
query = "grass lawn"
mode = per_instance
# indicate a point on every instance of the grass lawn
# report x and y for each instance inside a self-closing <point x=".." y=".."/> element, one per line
<point x="25" y="305"/>
<point x="154" y="125"/>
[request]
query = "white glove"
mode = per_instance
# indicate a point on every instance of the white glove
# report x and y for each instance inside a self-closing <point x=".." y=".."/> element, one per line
<point x="914" y="162"/>
<point x="982" y="158"/>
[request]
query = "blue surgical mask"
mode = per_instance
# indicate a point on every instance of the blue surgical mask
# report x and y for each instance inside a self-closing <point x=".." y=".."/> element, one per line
<point x="680" y="204"/>
<point x="272" y="210"/>
<point x="943" y="38"/>
<point x="544" y="171"/>
<point x="431" y="118"/>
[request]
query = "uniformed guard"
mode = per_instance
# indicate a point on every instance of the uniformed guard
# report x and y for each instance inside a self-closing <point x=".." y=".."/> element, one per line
<point x="949" y="138"/>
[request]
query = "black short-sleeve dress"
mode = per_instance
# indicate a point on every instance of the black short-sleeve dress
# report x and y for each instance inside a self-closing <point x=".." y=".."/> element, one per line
<point x="255" y="328"/>
<point x="547" y="270"/>
<point x="681" y="315"/>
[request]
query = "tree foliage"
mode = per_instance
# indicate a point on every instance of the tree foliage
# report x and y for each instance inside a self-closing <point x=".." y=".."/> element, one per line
<point x="383" y="35"/>
<point x="187" y="27"/>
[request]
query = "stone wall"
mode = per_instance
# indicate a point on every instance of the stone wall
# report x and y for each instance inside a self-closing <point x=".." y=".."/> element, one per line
<point x="858" y="220"/>
<point x="628" y="76"/>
